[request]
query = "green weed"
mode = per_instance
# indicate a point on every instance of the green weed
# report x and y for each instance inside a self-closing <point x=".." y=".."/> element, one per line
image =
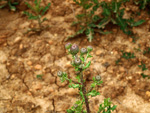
<point x="80" y="64"/>
<point x="112" y="13"/>
<point x="127" y="55"/>
<point x="9" y="3"/>
<point x="37" y="11"/>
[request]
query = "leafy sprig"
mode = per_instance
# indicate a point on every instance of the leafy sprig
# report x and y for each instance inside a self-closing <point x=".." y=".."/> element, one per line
<point x="80" y="64"/>
<point x="37" y="11"/>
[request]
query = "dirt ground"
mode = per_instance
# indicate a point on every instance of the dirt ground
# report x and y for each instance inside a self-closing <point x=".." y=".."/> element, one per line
<point x="24" y="56"/>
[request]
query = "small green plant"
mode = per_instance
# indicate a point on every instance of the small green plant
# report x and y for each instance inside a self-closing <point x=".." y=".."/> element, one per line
<point x="80" y="64"/>
<point x="112" y="12"/>
<point x="127" y="55"/>
<point x="87" y="20"/>
<point x="143" y="66"/>
<point x="9" y="3"/>
<point x="145" y="76"/>
<point x="91" y="22"/>
<point x="39" y="77"/>
<point x="146" y="51"/>
<point x="142" y="3"/>
<point x="37" y="11"/>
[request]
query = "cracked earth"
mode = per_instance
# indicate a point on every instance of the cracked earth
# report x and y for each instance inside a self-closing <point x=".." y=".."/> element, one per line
<point x="23" y="57"/>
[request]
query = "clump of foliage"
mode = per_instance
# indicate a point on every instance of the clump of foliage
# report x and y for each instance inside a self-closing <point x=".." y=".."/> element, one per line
<point x="37" y="11"/>
<point x="143" y="67"/>
<point x="112" y="13"/>
<point x="143" y="3"/>
<point x="80" y="64"/>
<point x="146" y="51"/>
<point x="8" y="3"/>
<point x="87" y="20"/>
<point x="127" y="55"/>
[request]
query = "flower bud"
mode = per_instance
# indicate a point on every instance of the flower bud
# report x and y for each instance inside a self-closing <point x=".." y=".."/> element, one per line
<point x="59" y="73"/>
<point x="68" y="45"/>
<point x="89" y="48"/>
<point x="98" y="77"/>
<point x="77" y="61"/>
<point x="83" y="51"/>
<point x="74" y="49"/>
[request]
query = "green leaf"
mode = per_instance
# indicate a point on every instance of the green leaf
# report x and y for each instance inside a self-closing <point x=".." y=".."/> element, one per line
<point x="138" y="23"/>
<point x="39" y="76"/>
<point x="114" y="107"/>
<point x="87" y="65"/>
<point x="30" y="16"/>
<point x="29" y="6"/>
<point x="46" y="8"/>
<point x="74" y="86"/>
<point x="93" y="93"/>
<point x="87" y="6"/>
<point x="95" y="1"/>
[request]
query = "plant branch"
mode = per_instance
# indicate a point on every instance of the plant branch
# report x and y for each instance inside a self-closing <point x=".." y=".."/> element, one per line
<point x="84" y="92"/>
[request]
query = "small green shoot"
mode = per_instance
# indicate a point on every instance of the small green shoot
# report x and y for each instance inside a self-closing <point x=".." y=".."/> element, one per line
<point x="39" y="77"/>
<point x="9" y="3"/>
<point x="127" y="55"/>
<point x="37" y="12"/>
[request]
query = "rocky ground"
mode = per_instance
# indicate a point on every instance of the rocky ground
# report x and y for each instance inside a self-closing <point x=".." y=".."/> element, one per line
<point x="24" y="56"/>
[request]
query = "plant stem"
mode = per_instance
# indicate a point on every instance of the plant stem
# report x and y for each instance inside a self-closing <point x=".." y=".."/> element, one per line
<point x="39" y="21"/>
<point x="84" y="92"/>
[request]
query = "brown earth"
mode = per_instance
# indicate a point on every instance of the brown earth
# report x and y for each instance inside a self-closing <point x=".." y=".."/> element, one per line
<point x="23" y="57"/>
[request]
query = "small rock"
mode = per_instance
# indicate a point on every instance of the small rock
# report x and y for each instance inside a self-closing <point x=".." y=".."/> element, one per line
<point x="68" y="65"/>
<point x="72" y="91"/>
<point x="17" y="40"/>
<point x="29" y="63"/>
<point x="98" y="52"/>
<point x="50" y="42"/>
<point x="37" y="86"/>
<point x="148" y="93"/>
<point x="38" y="67"/>
<point x="122" y="69"/>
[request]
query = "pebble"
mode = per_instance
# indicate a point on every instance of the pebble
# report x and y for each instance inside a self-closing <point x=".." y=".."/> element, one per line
<point x="50" y="42"/>
<point x="17" y="40"/>
<point x="148" y="93"/>
<point x="29" y="63"/>
<point x="98" y="52"/>
<point x="68" y="65"/>
<point x="38" y="86"/>
<point x="37" y="67"/>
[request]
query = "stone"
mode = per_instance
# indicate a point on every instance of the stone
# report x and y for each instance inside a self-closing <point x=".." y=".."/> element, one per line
<point x="37" y="86"/>
<point x="29" y="63"/>
<point x="98" y="52"/>
<point x="72" y="92"/>
<point x="38" y="67"/>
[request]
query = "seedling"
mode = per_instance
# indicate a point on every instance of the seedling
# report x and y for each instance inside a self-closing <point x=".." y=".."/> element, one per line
<point x="80" y="64"/>
<point x="142" y="3"/>
<point x="37" y="11"/>
<point x="145" y="76"/>
<point x="143" y="66"/>
<point x="39" y="77"/>
<point x="9" y="3"/>
<point x="127" y="55"/>
<point x="146" y="51"/>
